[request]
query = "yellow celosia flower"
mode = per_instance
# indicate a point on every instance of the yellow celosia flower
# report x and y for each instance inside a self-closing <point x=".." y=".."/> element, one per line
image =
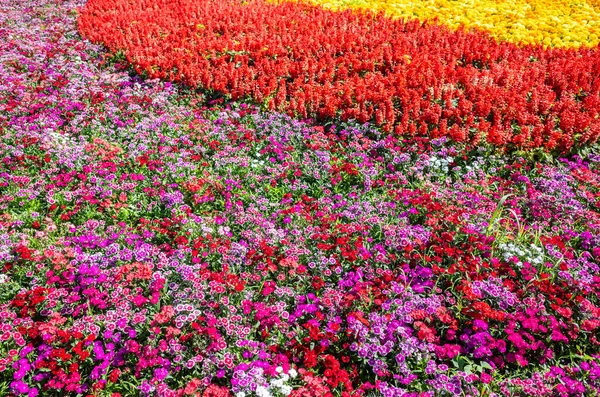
<point x="554" y="23"/>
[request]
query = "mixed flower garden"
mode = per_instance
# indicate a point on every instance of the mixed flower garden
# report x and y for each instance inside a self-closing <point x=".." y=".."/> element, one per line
<point x="257" y="198"/>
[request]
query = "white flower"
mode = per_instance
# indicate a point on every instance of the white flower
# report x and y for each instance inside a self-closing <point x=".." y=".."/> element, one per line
<point x="263" y="392"/>
<point x="292" y="372"/>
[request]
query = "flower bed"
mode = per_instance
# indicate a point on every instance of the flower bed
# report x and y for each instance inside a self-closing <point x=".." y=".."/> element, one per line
<point x="407" y="78"/>
<point x="152" y="247"/>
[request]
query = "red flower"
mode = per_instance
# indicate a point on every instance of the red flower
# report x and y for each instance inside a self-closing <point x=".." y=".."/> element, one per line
<point x="463" y="85"/>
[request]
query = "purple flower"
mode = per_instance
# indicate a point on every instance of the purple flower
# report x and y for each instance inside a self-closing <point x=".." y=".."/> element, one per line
<point x="160" y="374"/>
<point x="19" y="387"/>
<point x="480" y="325"/>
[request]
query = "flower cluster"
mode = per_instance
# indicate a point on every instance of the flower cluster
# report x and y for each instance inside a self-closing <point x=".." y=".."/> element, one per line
<point x="407" y="77"/>
<point x="155" y="244"/>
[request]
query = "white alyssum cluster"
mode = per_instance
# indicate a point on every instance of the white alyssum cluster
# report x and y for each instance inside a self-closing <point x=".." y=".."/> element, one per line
<point x="532" y="253"/>
<point x="258" y="161"/>
<point x="276" y="387"/>
<point x="440" y="164"/>
<point x="280" y="384"/>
